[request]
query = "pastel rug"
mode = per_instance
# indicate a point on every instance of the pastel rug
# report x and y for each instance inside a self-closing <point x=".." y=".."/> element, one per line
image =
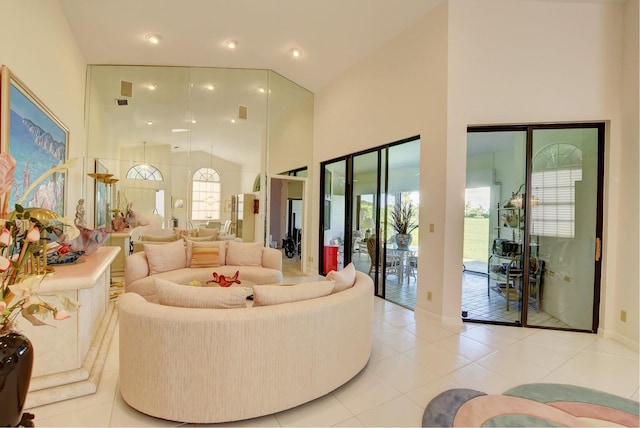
<point x="531" y="405"/>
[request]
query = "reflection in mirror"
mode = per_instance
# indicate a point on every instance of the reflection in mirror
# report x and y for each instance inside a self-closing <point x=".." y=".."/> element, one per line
<point x="190" y="124"/>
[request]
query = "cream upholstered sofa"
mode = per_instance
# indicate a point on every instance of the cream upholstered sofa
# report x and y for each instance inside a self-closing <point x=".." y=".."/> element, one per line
<point x="220" y="365"/>
<point x="176" y="261"/>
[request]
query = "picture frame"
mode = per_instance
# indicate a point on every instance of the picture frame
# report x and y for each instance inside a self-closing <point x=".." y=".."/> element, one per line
<point x="38" y="141"/>
<point x="227" y="205"/>
<point x="101" y="203"/>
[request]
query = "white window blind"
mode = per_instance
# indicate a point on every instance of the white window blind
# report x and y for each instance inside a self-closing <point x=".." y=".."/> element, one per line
<point x="205" y="195"/>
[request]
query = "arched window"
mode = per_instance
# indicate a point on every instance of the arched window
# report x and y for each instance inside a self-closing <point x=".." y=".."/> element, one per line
<point x="556" y="168"/>
<point x="205" y="195"/>
<point x="144" y="171"/>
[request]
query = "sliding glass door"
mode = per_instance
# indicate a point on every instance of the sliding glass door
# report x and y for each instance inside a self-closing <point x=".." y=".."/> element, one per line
<point x="360" y="193"/>
<point x="543" y="238"/>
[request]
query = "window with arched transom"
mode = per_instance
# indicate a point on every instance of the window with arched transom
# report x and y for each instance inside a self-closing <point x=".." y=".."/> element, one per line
<point x="205" y="195"/>
<point x="144" y="171"/>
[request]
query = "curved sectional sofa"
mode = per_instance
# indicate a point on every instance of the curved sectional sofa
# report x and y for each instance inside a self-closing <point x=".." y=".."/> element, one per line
<point x="221" y="365"/>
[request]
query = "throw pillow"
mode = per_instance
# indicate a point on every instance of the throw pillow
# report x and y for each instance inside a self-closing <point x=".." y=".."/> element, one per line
<point x="267" y="295"/>
<point x="159" y="238"/>
<point x="172" y="294"/>
<point x="244" y="254"/>
<point x="203" y="254"/>
<point x="343" y="279"/>
<point x="199" y="238"/>
<point x="166" y="257"/>
<point x="222" y="249"/>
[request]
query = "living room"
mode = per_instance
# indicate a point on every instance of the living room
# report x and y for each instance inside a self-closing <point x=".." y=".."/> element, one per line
<point x="462" y="63"/>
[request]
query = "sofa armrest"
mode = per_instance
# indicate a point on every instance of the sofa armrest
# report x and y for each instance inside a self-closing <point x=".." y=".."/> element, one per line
<point x="272" y="258"/>
<point x="136" y="267"/>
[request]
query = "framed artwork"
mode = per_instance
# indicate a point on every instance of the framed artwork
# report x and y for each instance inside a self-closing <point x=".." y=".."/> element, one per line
<point x="38" y="141"/>
<point x="227" y="205"/>
<point x="102" y="204"/>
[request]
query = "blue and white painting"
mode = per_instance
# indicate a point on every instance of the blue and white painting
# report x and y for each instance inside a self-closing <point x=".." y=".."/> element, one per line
<point x="38" y="143"/>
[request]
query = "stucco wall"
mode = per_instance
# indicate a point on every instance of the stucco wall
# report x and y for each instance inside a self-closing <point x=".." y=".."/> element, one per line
<point x="39" y="48"/>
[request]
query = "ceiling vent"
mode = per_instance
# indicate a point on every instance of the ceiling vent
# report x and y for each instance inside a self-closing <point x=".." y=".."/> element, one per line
<point x="126" y="88"/>
<point x="122" y="101"/>
<point x="242" y="112"/>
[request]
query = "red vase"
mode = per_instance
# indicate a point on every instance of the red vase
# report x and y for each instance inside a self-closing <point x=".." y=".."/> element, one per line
<point x="16" y="363"/>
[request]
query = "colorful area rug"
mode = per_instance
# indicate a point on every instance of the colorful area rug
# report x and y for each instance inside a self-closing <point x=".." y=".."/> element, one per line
<point x="531" y="405"/>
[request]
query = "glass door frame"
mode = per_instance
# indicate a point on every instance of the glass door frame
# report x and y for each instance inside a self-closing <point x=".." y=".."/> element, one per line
<point x="529" y="129"/>
<point x="380" y="213"/>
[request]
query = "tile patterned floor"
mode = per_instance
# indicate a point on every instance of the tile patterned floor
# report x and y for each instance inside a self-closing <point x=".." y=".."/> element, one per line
<point x="413" y="359"/>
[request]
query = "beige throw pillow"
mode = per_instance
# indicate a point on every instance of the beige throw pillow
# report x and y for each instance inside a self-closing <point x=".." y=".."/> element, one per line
<point x="166" y="257"/>
<point x="159" y="238"/>
<point x="343" y="279"/>
<point x="185" y="296"/>
<point x="203" y="254"/>
<point x="222" y="248"/>
<point x="266" y="295"/>
<point x="244" y="254"/>
<point x="204" y="232"/>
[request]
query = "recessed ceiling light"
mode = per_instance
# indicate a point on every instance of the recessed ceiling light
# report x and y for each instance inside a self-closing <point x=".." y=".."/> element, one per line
<point x="231" y="44"/>
<point x="149" y="122"/>
<point x="261" y="89"/>
<point x="151" y="86"/>
<point x="233" y="121"/>
<point x="209" y="87"/>
<point x="192" y="121"/>
<point x="154" y="39"/>
<point x="296" y="52"/>
<point x="176" y="130"/>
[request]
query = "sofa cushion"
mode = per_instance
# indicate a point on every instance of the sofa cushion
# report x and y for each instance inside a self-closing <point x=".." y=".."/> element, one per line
<point x="222" y="248"/>
<point x="244" y="254"/>
<point x="163" y="258"/>
<point x="185" y="296"/>
<point x="344" y="278"/>
<point x="203" y="254"/>
<point x="266" y="295"/>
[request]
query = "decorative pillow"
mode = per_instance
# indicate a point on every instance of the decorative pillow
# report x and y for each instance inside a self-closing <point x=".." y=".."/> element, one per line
<point x="225" y="237"/>
<point x="159" y="238"/>
<point x="203" y="254"/>
<point x="166" y="257"/>
<point x="244" y="254"/>
<point x="208" y="232"/>
<point x="266" y="295"/>
<point x="199" y="238"/>
<point x="222" y="248"/>
<point x="172" y="294"/>
<point x="344" y="279"/>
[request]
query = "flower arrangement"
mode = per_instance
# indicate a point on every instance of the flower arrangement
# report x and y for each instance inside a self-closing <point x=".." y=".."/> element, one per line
<point x="402" y="217"/>
<point x="22" y="262"/>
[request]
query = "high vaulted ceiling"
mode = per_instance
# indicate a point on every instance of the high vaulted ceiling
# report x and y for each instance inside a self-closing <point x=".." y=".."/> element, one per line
<point x="333" y="34"/>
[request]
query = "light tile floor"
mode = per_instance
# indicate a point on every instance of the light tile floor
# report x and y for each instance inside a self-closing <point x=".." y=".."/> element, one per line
<point x="413" y="359"/>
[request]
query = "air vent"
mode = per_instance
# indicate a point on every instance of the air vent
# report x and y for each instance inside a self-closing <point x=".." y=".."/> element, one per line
<point x="122" y="102"/>
<point x="126" y="88"/>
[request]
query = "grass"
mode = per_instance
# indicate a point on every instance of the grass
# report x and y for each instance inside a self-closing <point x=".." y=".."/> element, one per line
<point x="476" y="239"/>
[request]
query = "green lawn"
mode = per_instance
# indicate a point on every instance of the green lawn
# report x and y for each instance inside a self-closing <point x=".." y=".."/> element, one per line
<point x="476" y="238"/>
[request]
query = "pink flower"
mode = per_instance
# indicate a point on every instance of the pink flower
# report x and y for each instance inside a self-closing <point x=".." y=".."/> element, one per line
<point x="4" y="263"/>
<point x="33" y="235"/>
<point x="60" y="314"/>
<point x="5" y="237"/>
<point x="7" y="169"/>
<point x="3" y="305"/>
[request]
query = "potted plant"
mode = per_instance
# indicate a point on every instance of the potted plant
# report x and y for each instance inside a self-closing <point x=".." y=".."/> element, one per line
<point x="403" y="222"/>
<point x="22" y="269"/>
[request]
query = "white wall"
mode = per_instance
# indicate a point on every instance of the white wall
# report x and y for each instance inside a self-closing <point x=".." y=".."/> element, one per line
<point x="38" y="47"/>
<point x="537" y="61"/>
<point x="472" y="62"/>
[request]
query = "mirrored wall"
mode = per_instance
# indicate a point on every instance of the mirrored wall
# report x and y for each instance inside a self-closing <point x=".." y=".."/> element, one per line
<point x="176" y="121"/>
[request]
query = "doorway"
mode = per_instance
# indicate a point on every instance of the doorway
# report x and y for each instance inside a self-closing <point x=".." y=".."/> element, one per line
<point x="545" y="225"/>
<point x="360" y="193"/>
<point x="286" y="220"/>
